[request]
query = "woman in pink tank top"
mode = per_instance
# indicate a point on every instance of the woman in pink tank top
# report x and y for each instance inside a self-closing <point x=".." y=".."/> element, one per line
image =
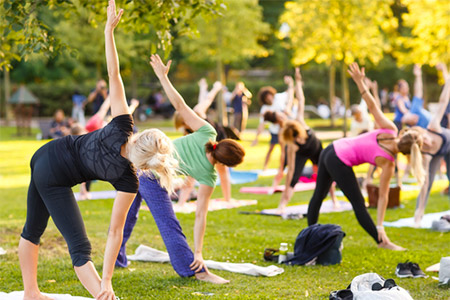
<point x="378" y="147"/>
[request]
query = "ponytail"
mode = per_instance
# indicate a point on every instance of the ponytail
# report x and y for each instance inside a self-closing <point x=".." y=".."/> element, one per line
<point x="416" y="164"/>
<point x="227" y="152"/>
<point x="152" y="151"/>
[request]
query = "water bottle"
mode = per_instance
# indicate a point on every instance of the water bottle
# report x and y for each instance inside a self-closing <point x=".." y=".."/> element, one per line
<point x="283" y="253"/>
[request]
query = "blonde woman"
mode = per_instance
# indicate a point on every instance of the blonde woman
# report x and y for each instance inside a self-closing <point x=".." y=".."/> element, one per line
<point x="198" y="153"/>
<point x="378" y="147"/>
<point x="111" y="154"/>
<point x="436" y="145"/>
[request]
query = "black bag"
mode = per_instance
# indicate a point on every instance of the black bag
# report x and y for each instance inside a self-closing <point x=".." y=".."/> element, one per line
<point x="319" y="242"/>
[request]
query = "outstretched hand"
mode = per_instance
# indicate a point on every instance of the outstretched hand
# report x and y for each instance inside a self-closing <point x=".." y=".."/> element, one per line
<point x="417" y="70"/>
<point x="356" y="73"/>
<point x="113" y="18"/>
<point x="298" y="76"/>
<point x="158" y="66"/>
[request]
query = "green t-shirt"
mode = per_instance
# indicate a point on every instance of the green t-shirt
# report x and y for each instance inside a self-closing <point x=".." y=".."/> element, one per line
<point x="192" y="153"/>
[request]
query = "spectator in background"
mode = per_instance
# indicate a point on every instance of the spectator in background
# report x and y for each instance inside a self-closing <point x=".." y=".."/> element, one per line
<point x="78" y="108"/>
<point x="401" y="102"/>
<point x="98" y="95"/>
<point x="323" y="109"/>
<point x="361" y="121"/>
<point x="239" y="102"/>
<point x="59" y="127"/>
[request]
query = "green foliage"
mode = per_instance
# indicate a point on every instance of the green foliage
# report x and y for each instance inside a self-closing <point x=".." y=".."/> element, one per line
<point x="230" y="38"/>
<point x="24" y="30"/>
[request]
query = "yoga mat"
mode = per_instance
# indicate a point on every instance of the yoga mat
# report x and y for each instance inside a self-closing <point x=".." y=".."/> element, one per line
<point x="266" y="173"/>
<point x="327" y="207"/>
<point x="19" y="296"/>
<point x="214" y="204"/>
<point x="240" y="177"/>
<point x="427" y="220"/>
<point x="145" y="253"/>
<point x="2" y="251"/>
<point x="98" y="195"/>
<point x="264" y="190"/>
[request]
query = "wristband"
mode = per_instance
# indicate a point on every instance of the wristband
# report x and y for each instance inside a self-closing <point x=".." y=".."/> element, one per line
<point x="363" y="92"/>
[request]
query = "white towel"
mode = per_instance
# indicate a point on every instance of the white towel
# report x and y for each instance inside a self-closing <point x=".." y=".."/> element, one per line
<point x="427" y="220"/>
<point x="19" y="296"/>
<point x="145" y="253"/>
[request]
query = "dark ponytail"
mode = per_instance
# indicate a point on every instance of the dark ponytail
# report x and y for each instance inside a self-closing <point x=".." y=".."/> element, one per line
<point x="227" y="152"/>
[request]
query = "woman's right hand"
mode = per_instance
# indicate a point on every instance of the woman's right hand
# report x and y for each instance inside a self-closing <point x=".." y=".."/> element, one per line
<point x="158" y="66"/>
<point x="113" y="18"/>
<point x="198" y="264"/>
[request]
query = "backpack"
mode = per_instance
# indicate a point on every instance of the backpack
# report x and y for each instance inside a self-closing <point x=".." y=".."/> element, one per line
<point x="318" y="244"/>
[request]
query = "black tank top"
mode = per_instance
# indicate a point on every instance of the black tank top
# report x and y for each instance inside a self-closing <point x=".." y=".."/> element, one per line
<point x="96" y="155"/>
<point x="312" y="148"/>
<point x="445" y="147"/>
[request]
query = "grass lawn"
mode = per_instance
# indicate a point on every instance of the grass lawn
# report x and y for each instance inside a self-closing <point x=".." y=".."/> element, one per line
<point x="229" y="237"/>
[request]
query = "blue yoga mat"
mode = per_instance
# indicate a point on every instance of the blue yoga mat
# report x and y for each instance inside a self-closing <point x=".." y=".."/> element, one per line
<point x="240" y="177"/>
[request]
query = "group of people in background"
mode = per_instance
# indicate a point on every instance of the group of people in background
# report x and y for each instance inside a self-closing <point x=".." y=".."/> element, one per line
<point x="147" y="165"/>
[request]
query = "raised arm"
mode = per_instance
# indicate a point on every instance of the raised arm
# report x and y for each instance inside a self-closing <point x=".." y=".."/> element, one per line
<point x="418" y="84"/>
<point x="358" y="77"/>
<point x="134" y="103"/>
<point x="189" y="116"/>
<point x="203" y="90"/>
<point x="435" y="122"/>
<point x="119" y="104"/>
<point x="300" y="97"/>
<point x="290" y="92"/>
<point x="202" y="107"/>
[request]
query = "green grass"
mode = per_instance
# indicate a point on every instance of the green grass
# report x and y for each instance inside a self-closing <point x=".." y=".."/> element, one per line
<point x="229" y="237"/>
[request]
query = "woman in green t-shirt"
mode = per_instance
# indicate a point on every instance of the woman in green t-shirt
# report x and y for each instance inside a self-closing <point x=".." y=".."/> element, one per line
<point x="198" y="154"/>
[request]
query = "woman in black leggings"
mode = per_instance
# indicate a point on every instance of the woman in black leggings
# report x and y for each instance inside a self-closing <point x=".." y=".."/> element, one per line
<point x="378" y="147"/>
<point x="109" y="154"/>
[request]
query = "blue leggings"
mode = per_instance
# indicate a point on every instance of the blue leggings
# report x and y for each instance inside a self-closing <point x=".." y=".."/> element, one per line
<point x="158" y="201"/>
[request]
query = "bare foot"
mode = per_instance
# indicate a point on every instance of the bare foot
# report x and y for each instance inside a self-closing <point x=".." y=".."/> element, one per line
<point x="210" y="277"/>
<point x="36" y="296"/>
<point x="391" y="246"/>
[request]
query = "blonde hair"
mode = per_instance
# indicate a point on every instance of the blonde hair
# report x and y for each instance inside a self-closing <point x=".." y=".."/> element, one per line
<point x="410" y="143"/>
<point x="291" y="129"/>
<point x="151" y="150"/>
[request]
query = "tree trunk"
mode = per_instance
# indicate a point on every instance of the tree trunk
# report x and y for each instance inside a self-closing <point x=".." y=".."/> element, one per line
<point x="7" y="90"/>
<point x="345" y="94"/>
<point x="220" y="104"/>
<point x="332" y="92"/>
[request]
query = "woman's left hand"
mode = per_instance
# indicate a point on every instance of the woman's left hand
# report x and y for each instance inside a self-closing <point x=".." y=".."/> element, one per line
<point x="198" y="264"/>
<point x="106" y="292"/>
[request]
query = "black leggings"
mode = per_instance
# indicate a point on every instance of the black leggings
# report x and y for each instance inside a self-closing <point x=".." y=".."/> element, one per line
<point x="300" y="162"/>
<point x="331" y="168"/>
<point x="48" y="196"/>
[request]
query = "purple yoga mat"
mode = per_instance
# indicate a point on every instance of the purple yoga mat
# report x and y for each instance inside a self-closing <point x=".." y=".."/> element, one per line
<point x="264" y="190"/>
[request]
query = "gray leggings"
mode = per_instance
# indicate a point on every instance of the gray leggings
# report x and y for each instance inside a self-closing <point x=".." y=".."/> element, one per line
<point x="435" y="164"/>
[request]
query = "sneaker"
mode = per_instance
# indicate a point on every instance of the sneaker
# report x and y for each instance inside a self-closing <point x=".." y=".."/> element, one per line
<point x="403" y="270"/>
<point x="416" y="271"/>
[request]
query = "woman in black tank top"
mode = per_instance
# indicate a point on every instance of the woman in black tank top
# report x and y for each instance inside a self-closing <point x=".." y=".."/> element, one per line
<point x="436" y="145"/>
<point x="111" y="154"/>
<point x="301" y="145"/>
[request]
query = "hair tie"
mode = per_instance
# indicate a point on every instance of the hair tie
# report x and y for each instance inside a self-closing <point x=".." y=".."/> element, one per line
<point x="214" y="146"/>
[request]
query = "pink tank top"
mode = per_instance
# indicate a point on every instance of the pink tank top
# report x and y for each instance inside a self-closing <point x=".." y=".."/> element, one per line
<point x="361" y="149"/>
